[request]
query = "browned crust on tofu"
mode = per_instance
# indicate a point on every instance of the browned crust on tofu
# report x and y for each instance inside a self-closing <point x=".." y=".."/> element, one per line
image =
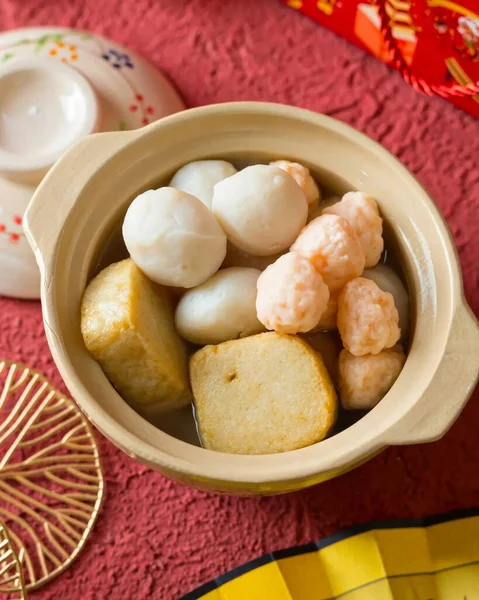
<point x="128" y="327"/>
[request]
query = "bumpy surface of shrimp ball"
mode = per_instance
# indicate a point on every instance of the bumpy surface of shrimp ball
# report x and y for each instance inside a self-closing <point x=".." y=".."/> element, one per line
<point x="261" y="209"/>
<point x="333" y="249"/>
<point x="173" y="237"/>
<point x="365" y="380"/>
<point x="362" y="213"/>
<point x="367" y="318"/>
<point x="292" y="295"/>
<point x="303" y="178"/>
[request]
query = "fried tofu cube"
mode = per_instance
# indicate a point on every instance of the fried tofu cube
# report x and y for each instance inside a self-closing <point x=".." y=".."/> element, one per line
<point x="128" y="327"/>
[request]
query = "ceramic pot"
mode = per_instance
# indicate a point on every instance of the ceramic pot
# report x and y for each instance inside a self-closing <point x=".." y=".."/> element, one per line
<point x="97" y="180"/>
<point x="57" y="86"/>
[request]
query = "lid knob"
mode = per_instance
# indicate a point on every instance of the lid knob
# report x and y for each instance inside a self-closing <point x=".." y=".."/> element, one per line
<point x="45" y="107"/>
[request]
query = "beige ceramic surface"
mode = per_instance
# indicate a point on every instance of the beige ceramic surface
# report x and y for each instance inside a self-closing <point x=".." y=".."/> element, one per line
<point x="86" y="194"/>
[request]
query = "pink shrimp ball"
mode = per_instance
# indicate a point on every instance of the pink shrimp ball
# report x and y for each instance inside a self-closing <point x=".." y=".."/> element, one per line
<point x="367" y="318"/>
<point x="362" y="213"/>
<point x="365" y="380"/>
<point x="333" y="249"/>
<point x="292" y="296"/>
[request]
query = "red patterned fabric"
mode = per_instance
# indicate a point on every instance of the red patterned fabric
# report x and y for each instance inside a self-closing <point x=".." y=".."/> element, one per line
<point x="158" y="539"/>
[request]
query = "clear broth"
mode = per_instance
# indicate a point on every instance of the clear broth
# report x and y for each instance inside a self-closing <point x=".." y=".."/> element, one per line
<point x="181" y="424"/>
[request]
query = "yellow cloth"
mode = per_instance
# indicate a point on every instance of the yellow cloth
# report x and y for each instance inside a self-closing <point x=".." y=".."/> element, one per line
<point x="431" y="559"/>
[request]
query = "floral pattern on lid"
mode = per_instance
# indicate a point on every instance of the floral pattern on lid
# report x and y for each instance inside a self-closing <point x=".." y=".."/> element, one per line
<point x="131" y="93"/>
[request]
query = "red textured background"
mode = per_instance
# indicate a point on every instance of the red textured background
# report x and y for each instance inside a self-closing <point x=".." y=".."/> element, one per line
<point x="158" y="539"/>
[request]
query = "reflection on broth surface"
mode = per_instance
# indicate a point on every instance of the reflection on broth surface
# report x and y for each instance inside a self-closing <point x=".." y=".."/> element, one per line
<point x="181" y="423"/>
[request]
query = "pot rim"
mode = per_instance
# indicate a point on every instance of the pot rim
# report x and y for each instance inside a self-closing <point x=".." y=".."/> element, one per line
<point x="349" y="446"/>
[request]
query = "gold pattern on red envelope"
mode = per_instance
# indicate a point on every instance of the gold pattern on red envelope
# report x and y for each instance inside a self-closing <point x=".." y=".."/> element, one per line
<point x="367" y="27"/>
<point x="326" y="6"/>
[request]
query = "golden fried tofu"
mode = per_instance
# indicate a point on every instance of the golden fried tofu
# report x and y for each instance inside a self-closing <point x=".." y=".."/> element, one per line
<point x="128" y="326"/>
<point x="262" y="394"/>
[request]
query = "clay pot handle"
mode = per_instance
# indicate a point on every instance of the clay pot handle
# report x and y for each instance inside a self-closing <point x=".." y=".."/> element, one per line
<point x="54" y="199"/>
<point x="450" y="388"/>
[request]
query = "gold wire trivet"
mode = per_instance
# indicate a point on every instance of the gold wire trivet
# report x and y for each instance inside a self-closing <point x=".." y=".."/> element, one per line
<point x="11" y="575"/>
<point x="51" y="482"/>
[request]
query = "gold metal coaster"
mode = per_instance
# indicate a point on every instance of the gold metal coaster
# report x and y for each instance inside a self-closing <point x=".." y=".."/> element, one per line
<point x="51" y="482"/>
<point x="11" y="575"/>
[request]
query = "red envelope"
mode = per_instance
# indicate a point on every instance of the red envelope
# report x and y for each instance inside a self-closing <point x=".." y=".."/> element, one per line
<point x="434" y="43"/>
